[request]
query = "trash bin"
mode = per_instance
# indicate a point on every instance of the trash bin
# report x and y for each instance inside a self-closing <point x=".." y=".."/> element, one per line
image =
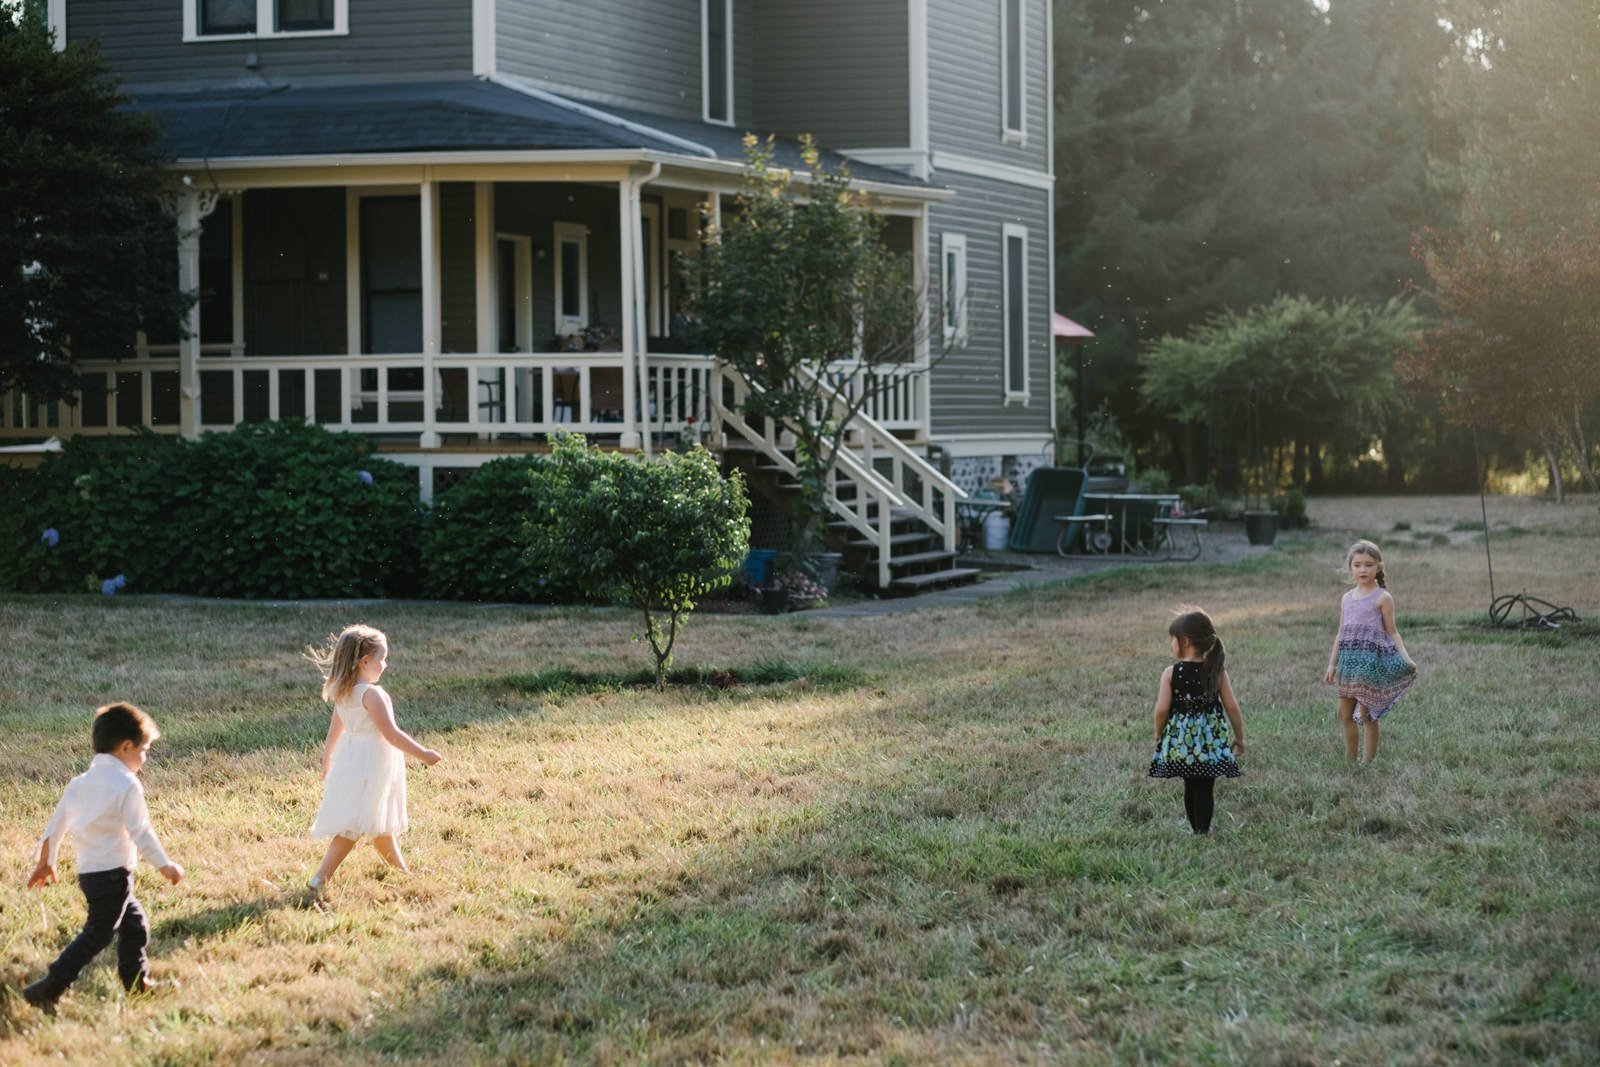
<point x="757" y="565"/>
<point x="996" y="531"/>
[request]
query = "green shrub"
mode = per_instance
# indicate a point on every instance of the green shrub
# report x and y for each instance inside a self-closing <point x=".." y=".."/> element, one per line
<point x="268" y="510"/>
<point x="1292" y="510"/>
<point x="655" y="535"/>
<point x="475" y="544"/>
<point x="1199" y="497"/>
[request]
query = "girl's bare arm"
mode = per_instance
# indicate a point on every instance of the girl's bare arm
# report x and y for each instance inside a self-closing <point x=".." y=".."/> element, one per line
<point x="381" y="712"/>
<point x="1163" y="701"/>
<point x="335" y="729"/>
<point x="1386" y="611"/>
<point x="1230" y="704"/>
<point x="1333" y="653"/>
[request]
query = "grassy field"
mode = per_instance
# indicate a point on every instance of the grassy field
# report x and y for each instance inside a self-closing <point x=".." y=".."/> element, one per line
<point x="921" y="838"/>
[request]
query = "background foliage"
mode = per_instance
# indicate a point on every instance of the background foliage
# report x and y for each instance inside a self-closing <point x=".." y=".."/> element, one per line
<point x="475" y="544"/>
<point x="88" y="251"/>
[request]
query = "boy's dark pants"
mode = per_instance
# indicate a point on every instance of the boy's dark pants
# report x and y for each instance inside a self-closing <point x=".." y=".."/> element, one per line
<point x="113" y="914"/>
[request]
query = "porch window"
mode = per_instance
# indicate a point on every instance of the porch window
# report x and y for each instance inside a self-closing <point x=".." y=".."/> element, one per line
<point x="391" y="274"/>
<point x="210" y="20"/>
<point x="954" y="290"/>
<point x="1012" y="69"/>
<point x="571" y="277"/>
<point x="716" y="62"/>
<point x="1014" y="306"/>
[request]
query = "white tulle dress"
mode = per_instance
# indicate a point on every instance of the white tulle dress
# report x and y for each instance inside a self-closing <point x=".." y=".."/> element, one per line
<point x="364" y="794"/>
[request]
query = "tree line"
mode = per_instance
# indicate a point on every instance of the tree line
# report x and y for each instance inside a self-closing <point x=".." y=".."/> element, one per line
<point x="1331" y="238"/>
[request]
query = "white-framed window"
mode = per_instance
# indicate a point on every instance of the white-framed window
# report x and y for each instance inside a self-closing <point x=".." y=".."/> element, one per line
<point x="953" y="288"/>
<point x="227" y="20"/>
<point x="571" y="277"/>
<point x="1014" y="308"/>
<point x="1013" y="71"/>
<point x="716" y="61"/>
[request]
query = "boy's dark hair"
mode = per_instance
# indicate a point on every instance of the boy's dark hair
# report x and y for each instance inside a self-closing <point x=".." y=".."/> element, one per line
<point x="119" y="722"/>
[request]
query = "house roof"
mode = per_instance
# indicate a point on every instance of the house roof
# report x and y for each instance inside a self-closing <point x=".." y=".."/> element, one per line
<point x="455" y="115"/>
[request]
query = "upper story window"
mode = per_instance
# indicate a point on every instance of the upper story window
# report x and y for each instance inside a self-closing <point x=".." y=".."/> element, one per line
<point x="953" y="301"/>
<point x="1014" y="308"/>
<point x="211" y="20"/>
<point x="1013" y="70"/>
<point x="716" y="60"/>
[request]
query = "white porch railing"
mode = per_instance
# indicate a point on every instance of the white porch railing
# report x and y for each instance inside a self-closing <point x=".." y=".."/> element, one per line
<point x="519" y="394"/>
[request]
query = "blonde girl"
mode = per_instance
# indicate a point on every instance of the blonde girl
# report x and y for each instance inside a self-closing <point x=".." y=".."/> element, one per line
<point x="363" y="759"/>
<point x="1369" y="662"/>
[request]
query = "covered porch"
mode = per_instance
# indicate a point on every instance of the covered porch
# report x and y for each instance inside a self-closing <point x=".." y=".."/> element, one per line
<point x="457" y="304"/>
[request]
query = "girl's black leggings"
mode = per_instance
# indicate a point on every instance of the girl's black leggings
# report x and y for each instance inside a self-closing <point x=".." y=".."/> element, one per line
<point x="1197" y="802"/>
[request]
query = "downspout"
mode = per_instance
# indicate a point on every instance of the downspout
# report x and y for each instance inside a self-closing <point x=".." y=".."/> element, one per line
<point x="636" y="306"/>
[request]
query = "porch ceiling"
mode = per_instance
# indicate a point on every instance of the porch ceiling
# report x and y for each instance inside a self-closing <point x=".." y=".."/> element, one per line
<point x="466" y="115"/>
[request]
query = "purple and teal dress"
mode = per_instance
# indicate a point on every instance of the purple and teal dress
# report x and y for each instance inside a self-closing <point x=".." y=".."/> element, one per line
<point x="1369" y="668"/>
<point x="1197" y="741"/>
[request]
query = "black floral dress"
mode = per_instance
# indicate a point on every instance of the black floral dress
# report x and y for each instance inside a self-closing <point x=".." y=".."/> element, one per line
<point x="1197" y="741"/>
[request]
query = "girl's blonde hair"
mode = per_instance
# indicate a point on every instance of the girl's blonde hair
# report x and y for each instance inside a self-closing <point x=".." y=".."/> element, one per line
<point x="339" y="656"/>
<point x="1367" y="548"/>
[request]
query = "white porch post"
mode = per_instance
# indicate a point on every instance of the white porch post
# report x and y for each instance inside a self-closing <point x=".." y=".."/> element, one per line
<point x="921" y="385"/>
<point x="430" y="305"/>
<point x="628" y="213"/>
<point x="192" y="207"/>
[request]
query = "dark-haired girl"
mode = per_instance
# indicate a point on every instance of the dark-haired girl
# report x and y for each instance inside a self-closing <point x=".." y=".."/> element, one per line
<point x="1193" y="739"/>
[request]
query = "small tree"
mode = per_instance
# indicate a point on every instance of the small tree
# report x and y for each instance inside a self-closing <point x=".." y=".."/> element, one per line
<point x="795" y="283"/>
<point x="1307" y="374"/>
<point x="654" y="534"/>
<point x="88" y="253"/>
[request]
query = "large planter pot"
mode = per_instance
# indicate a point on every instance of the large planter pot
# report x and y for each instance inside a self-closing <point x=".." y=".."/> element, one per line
<point x="1261" y="527"/>
<point x="827" y="564"/>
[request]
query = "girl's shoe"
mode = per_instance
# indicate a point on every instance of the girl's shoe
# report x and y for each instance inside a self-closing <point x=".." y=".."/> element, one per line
<point x="43" y="995"/>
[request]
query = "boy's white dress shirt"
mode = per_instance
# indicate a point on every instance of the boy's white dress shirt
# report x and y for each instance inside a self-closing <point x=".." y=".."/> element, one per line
<point x="103" y="809"/>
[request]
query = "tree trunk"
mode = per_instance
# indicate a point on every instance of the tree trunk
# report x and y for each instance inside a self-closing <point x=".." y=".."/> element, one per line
<point x="1298" y="477"/>
<point x="1555" y="468"/>
<point x="1580" y="448"/>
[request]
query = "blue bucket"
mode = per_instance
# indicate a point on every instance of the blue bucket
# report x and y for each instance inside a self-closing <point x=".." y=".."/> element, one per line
<point x="756" y="565"/>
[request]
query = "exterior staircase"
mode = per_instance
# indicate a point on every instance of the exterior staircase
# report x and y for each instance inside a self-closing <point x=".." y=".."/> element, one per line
<point x="894" y="513"/>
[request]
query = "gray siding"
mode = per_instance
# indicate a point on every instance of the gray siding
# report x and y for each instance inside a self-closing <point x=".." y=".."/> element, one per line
<point x="839" y="69"/>
<point x="533" y="208"/>
<point x="389" y="40"/>
<point x="968" y="385"/>
<point x="619" y="52"/>
<point x="964" y="82"/>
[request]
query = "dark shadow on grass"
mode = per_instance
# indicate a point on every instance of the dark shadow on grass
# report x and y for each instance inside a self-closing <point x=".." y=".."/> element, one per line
<point x="223" y="919"/>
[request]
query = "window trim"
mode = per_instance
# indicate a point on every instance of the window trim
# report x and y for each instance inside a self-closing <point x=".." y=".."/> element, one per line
<point x="705" y="61"/>
<point x="953" y="245"/>
<point x="1014" y="134"/>
<point x="266" y="16"/>
<point x="562" y="233"/>
<point x="1009" y="292"/>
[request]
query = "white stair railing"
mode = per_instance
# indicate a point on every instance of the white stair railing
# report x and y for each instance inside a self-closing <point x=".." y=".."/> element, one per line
<point x="912" y="484"/>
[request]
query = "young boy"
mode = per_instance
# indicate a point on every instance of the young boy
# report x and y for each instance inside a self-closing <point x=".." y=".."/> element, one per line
<point x="103" y="809"/>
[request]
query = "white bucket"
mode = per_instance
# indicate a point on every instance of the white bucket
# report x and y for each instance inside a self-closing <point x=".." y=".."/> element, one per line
<point x="996" y="532"/>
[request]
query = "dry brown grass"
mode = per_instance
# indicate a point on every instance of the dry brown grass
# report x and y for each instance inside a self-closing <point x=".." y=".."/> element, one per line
<point x="954" y="859"/>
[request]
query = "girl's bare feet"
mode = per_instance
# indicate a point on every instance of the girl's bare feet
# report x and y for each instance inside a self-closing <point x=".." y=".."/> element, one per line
<point x="389" y="849"/>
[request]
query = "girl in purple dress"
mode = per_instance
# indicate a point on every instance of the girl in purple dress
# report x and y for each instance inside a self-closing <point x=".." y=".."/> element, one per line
<point x="1369" y="662"/>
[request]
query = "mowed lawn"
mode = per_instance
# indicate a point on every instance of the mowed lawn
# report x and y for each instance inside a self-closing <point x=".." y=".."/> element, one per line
<point x="923" y="838"/>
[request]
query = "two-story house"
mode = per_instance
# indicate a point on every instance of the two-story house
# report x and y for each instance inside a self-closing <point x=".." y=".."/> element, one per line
<point x="454" y="223"/>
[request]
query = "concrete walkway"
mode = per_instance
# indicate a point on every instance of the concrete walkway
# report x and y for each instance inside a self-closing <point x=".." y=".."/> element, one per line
<point x="1224" y="543"/>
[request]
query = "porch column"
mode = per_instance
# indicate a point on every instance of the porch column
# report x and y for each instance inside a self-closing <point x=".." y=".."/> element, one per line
<point x="628" y="231"/>
<point x="921" y="382"/>
<point x="430" y="305"/>
<point x="193" y="205"/>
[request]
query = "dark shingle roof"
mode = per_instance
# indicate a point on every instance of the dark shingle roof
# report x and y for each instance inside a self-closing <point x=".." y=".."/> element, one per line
<point x="460" y="115"/>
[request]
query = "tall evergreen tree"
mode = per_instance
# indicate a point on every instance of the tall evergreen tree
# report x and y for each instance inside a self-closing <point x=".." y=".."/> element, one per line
<point x="88" y="254"/>
<point x="1212" y="154"/>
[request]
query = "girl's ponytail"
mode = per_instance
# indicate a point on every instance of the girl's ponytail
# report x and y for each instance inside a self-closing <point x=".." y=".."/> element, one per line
<point x="1195" y="627"/>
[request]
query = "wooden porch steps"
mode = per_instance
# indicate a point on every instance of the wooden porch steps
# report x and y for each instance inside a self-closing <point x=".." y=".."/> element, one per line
<point x="921" y="583"/>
